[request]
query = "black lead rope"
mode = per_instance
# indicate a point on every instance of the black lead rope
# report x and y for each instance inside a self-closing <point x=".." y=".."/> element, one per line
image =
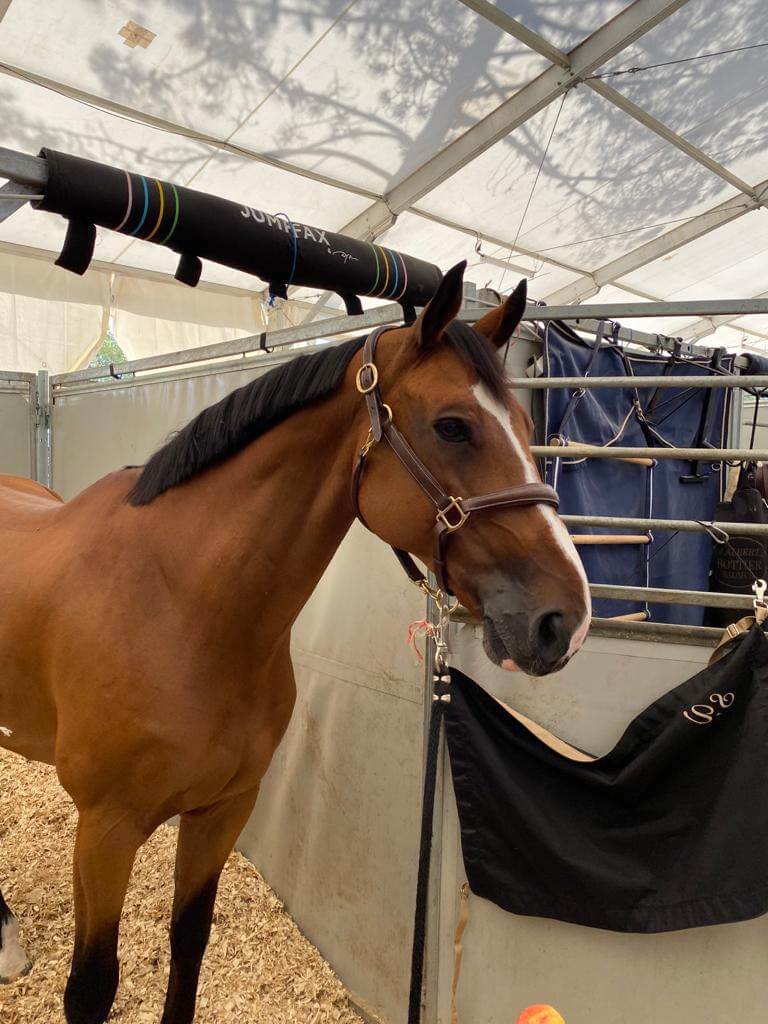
<point x="440" y="697"/>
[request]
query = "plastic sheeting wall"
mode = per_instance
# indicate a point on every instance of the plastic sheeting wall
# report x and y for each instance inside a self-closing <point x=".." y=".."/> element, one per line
<point x="335" y="829"/>
<point x="16" y="456"/>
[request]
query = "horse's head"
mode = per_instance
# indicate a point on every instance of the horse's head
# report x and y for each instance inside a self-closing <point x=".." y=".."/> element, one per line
<point x="516" y="568"/>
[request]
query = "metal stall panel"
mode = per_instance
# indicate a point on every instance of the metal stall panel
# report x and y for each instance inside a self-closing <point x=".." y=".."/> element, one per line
<point x="98" y="429"/>
<point x="699" y="976"/>
<point x="335" y="829"/>
<point x="16" y="428"/>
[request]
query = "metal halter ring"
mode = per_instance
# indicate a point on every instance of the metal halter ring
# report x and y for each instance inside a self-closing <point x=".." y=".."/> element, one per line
<point x="442" y="515"/>
<point x="374" y="372"/>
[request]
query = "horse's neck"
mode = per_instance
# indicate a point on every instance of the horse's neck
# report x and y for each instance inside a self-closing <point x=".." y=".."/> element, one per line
<point x="259" y="529"/>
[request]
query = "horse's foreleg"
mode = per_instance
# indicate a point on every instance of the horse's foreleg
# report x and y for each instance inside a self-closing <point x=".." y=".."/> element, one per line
<point x="13" y="960"/>
<point x="105" y="849"/>
<point x="206" y="839"/>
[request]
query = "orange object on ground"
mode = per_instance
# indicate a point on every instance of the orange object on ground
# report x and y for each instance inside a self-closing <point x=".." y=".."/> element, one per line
<point x="540" y="1014"/>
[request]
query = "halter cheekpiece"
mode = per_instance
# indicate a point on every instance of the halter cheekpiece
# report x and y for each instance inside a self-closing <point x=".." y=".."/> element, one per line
<point x="451" y="512"/>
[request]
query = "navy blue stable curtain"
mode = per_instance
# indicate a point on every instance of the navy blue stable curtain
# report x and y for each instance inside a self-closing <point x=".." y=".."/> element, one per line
<point x="609" y="487"/>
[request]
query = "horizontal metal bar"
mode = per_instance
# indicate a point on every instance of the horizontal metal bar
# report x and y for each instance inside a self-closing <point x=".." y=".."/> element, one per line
<point x="698" y="454"/>
<point x="641" y="383"/>
<point x="17" y="376"/>
<point x="659" y="595"/>
<point x="663" y="632"/>
<point x="22" y="168"/>
<point x="676" y="525"/>
<point x="381" y="315"/>
<point x="252" y="343"/>
<point x="633" y="310"/>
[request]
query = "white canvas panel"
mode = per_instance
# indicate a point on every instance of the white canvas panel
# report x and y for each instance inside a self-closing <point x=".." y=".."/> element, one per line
<point x="36" y="334"/>
<point x="208" y="65"/>
<point x="610" y="295"/>
<point x="445" y="246"/>
<point x="718" y="103"/>
<point x="389" y="87"/>
<point x="277" y="191"/>
<point x="565" y="23"/>
<point x="726" y="263"/>
<point x="142" y="336"/>
<point x="178" y="302"/>
<point x="604" y="187"/>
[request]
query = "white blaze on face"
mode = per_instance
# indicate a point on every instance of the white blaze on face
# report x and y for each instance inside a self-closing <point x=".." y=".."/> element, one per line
<point x="13" y="959"/>
<point x="555" y="526"/>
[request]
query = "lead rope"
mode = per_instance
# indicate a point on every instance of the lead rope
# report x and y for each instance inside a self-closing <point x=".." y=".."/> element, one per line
<point x="441" y="682"/>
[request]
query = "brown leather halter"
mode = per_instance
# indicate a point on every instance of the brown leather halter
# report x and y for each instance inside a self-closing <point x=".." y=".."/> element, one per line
<point x="452" y="512"/>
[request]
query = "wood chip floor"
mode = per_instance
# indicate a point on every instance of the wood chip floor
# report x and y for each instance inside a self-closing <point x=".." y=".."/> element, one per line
<point x="259" y="968"/>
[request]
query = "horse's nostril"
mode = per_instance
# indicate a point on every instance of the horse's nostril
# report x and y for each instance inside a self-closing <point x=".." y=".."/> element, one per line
<point x="552" y="635"/>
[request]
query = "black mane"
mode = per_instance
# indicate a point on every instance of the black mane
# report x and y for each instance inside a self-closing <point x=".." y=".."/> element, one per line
<point x="230" y="425"/>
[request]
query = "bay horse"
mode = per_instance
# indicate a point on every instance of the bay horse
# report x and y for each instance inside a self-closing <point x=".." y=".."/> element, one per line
<point x="146" y="622"/>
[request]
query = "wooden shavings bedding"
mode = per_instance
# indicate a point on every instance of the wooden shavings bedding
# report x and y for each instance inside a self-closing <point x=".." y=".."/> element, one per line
<point x="259" y="968"/>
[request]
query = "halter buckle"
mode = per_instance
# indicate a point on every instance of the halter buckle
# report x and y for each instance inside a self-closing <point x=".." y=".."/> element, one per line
<point x="372" y="369"/>
<point x="370" y="441"/>
<point x="454" y="505"/>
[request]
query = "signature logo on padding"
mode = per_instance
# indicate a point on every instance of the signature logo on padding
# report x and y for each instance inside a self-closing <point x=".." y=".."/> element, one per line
<point x="705" y="714"/>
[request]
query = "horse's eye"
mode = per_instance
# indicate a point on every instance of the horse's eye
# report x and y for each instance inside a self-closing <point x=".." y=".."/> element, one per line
<point x="452" y="429"/>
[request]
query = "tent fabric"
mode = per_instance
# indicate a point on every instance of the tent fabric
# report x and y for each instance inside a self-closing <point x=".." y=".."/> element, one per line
<point x="422" y="131"/>
<point x="612" y="487"/>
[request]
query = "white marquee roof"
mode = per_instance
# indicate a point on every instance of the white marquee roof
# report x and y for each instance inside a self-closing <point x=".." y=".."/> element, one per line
<point x="442" y="127"/>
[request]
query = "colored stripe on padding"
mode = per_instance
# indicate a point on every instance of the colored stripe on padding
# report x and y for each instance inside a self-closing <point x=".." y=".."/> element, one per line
<point x="153" y="232"/>
<point x="378" y="270"/>
<point x="140" y="225"/>
<point x="122" y="223"/>
<point x="175" y="216"/>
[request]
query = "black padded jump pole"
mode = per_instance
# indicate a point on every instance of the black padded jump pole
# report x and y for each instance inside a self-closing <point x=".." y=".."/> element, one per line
<point x="199" y="226"/>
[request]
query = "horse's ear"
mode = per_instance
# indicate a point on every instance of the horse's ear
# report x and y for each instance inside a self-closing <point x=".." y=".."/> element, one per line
<point x="498" y="325"/>
<point x="443" y="307"/>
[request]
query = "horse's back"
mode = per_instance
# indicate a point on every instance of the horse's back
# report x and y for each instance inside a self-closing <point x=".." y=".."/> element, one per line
<point x="25" y="503"/>
<point x="10" y="486"/>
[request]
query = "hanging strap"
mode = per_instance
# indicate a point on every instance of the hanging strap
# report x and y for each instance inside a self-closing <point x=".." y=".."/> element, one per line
<point x="461" y="924"/>
<point x="77" y="251"/>
<point x="440" y="697"/>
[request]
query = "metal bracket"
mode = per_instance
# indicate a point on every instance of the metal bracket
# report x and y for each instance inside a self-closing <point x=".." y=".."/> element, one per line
<point x="42" y="469"/>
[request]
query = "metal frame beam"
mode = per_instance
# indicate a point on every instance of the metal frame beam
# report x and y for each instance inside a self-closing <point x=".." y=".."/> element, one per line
<point x="708" y="324"/>
<point x="536" y="42"/>
<point x="619" y="33"/>
<point x="640" y="525"/>
<point x="698" y="226"/>
<point x="586" y="317"/>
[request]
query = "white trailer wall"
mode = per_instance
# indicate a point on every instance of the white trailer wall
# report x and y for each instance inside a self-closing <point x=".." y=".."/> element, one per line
<point x="335" y="829"/>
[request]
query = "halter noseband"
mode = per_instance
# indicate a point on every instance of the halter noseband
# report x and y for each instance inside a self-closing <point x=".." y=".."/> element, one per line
<point x="452" y="513"/>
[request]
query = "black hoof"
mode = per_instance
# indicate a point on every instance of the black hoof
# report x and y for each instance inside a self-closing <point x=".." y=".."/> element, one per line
<point x="89" y="996"/>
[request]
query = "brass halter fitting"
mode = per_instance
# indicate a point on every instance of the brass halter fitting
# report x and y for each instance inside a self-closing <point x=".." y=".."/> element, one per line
<point x="454" y="505"/>
<point x="370" y="440"/>
<point x="366" y="387"/>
